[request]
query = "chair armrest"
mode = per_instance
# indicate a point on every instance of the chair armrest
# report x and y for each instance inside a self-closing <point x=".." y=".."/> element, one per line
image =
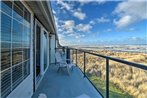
<point x="63" y="63"/>
<point x="69" y="60"/>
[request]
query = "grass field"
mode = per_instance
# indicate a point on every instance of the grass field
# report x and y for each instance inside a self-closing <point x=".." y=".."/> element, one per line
<point x="114" y="92"/>
<point x="125" y="81"/>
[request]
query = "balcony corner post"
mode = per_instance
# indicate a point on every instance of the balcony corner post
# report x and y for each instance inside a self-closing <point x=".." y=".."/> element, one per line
<point x="84" y="66"/>
<point x="76" y="57"/>
<point x="107" y="78"/>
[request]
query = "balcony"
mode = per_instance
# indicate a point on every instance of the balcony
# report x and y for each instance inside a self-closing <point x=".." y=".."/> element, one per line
<point x="61" y="85"/>
<point x="109" y="82"/>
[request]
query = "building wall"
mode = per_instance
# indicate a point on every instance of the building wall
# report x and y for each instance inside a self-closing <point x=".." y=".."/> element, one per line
<point x="46" y="49"/>
<point x="52" y="48"/>
<point x="16" y="50"/>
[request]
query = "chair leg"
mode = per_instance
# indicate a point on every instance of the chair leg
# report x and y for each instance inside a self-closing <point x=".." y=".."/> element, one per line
<point x="72" y="68"/>
<point x="68" y="71"/>
<point x="58" y="70"/>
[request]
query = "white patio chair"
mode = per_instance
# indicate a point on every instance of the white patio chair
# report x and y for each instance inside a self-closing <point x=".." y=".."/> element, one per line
<point x="62" y="63"/>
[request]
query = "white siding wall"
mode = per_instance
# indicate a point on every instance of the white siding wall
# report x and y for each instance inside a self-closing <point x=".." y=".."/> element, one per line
<point x="46" y="45"/>
<point x="42" y="52"/>
<point x="53" y="49"/>
<point x="24" y="90"/>
<point x="48" y="49"/>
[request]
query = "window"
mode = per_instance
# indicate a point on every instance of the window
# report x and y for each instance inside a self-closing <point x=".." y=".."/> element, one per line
<point x="26" y="68"/>
<point x="17" y="31"/>
<point x="18" y="12"/>
<point x="7" y="7"/>
<point x="5" y="83"/>
<point x="16" y="75"/>
<point x="5" y="55"/>
<point x="15" y="45"/>
<point x="26" y="15"/>
<point x="5" y="27"/>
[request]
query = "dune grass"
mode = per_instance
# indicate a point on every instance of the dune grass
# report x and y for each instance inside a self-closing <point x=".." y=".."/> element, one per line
<point x="114" y="91"/>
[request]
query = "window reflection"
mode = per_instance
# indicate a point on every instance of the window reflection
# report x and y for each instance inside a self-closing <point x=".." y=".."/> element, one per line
<point x="26" y="38"/>
<point x="16" y="75"/>
<point x="17" y="49"/>
<point x="16" y="45"/>
<point x="26" y="68"/>
<point x="26" y="54"/>
<point x="16" y="56"/>
<point x="5" y="56"/>
<point x="5" y="83"/>
<point x="5" y="28"/>
<point x="26" y="16"/>
<point x="6" y="7"/>
<point x="18" y="13"/>
<point x="17" y="31"/>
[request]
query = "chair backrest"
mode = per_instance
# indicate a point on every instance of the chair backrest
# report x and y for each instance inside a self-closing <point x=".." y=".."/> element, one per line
<point x="58" y="57"/>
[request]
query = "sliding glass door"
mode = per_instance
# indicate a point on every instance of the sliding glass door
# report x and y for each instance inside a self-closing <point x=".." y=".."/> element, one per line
<point x="38" y="39"/>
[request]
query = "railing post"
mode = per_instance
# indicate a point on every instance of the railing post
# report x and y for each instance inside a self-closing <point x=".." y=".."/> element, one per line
<point x="84" y="65"/>
<point x="68" y="54"/>
<point x="76" y="57"/>
<point x="107" y="78"/>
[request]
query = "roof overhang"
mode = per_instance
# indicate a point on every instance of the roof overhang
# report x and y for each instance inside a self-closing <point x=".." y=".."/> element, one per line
<point x="43" y="11"/>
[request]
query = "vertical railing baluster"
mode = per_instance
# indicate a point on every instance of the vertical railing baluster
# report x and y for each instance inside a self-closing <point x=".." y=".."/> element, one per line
<point x="76" y="57"/>
<point x="84" y="65"/>
<point x="107" y="78"/>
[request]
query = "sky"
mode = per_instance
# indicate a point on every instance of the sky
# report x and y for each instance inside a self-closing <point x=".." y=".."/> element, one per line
<point x="85" y="22"/>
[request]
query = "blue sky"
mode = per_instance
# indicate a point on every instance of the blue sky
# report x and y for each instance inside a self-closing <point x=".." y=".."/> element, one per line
<point x="100" y="22"/>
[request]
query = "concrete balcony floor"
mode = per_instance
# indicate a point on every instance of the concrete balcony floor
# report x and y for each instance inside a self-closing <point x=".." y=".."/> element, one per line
<point x="61" y="85"/>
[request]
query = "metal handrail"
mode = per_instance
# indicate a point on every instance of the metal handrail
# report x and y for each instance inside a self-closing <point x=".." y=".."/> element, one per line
<point x="141" y="66"/>
<point x="108" y="58"/>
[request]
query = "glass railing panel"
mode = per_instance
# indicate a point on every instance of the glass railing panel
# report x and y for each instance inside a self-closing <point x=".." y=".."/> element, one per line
<point x="80" y="60"/>
<point x="127" y="81"/>
<point x="96" y="72"/>
<point x="73" y="55"/>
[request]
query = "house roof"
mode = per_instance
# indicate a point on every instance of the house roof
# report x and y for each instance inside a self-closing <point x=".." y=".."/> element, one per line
<point x="43" y="11"/>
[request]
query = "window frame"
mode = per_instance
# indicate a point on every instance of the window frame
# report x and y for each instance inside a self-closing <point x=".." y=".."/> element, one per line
<point x="29" y="37"/>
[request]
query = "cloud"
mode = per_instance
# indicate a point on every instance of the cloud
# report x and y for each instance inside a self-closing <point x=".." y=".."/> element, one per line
<point x="80" y="15"/>
<point x="102" y="20"/>
<point x="76" y="35"/>
<point x="54" y="12"/>
<point x="64" y="4"/>
<point x="136" y="40"/>
<point x="124" y="21"/>
<point x="79" y="36"/>
<point x="99" y="20"/>
<point x="63" y="41"/>
<point x="56" y="21"/>
<point x="69" y="25"/>
<point x="69" y="28"/>
<point x="130" y="12"/>
<point x="69" y="7"/>
<point x="109" y="30"/>
<point x="84" y="27"/>
<point x="92" y="22"/>
<point x="131" y="29"/>
<point x="82" y="2"/>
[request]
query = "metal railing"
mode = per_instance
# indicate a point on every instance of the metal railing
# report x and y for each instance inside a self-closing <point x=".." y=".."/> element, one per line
<point x="108" y="58"/>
